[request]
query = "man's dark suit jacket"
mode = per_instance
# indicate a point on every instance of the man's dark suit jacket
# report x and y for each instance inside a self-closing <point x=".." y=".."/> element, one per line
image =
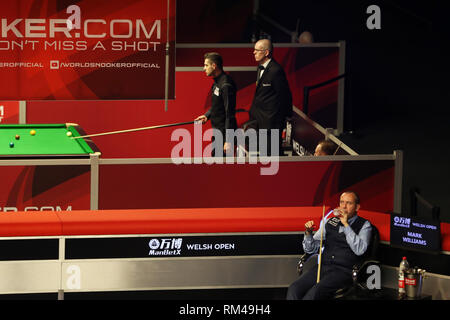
<point x="272" y="102"/>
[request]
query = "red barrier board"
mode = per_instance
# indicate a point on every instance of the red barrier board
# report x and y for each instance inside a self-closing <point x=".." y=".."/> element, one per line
<point x="241" y="185"/>
<point x="193" y="220"/>
<point x="29" y="224"/>
<point x="103" y="49"/>
<point x="9" y="112"/>
<point x="179" y="221"/>
<point x="44" y="188"/>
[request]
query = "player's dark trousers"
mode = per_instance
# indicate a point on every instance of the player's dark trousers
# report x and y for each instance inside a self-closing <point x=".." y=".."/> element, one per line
<point x="306" y="287"/>
<point x="267" y="149"/>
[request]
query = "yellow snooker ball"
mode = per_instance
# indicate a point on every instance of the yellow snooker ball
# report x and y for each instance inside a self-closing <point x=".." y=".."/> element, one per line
<point x="33" y="132"/>
<point x="69" y="134"/>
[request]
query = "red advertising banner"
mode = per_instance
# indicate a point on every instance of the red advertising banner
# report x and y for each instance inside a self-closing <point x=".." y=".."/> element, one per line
<point x="9" y="112"/>
<point x="87" y="50"/>
<point x="44" y="188"/>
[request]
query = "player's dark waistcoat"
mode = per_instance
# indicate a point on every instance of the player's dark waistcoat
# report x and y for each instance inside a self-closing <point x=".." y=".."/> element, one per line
<point x="337" y="251"/>
<point x="223" y="103"/>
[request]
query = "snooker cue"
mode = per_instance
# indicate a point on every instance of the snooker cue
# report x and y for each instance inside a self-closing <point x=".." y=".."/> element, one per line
<point x="320" y="248"/>
<point x="135" y="129"/>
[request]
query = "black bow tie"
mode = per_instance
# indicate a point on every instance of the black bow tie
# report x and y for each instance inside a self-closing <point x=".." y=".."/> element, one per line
<point x="261" y="67"/>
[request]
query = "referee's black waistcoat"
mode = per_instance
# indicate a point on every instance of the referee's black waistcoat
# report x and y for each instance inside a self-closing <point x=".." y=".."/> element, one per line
<point x="337" y="251"/>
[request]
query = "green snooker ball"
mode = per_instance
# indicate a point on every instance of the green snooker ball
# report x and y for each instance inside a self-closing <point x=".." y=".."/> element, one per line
<point x="11" y="144"/>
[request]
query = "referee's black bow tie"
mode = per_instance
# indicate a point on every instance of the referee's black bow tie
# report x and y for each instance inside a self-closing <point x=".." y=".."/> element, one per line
<point x="261" y="67"/>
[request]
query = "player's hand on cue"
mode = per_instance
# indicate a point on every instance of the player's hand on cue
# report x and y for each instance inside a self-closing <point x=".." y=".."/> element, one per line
<point x="201" y="118"/>
<point x="227" y="147"/>
<point x="309" y="226"/>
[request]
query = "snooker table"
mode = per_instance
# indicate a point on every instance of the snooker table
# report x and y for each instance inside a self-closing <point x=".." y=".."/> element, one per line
<point x="50" y="141"/>
<point x="48" y="169"/>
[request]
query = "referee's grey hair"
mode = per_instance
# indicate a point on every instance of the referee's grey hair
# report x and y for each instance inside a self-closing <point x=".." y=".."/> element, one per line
<point x="269" y="46"/>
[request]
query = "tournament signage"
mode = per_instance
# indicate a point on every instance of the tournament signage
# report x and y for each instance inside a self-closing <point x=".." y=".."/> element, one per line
<point x="102" y="49"/>
<point x="183" y="246"/>
<point x="416" y="234"/>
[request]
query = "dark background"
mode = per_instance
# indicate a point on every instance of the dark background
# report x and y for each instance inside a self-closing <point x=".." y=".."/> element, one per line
<point x="395" y="96"/>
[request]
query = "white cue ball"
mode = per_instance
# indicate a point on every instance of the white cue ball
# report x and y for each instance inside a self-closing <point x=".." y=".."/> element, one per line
<point x="69" y="134"/>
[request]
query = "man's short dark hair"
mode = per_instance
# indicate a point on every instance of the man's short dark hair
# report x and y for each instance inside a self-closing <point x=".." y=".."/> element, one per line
<point x="356" y="196"/>
<point x="328" y="147"/>
<point x="216" y="58"/>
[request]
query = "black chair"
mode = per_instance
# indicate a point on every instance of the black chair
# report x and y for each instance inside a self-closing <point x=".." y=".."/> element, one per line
<point x="358" y="289"/>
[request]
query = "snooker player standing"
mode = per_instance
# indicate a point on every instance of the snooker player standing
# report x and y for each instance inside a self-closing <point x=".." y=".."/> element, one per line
<point x="223" y="98"/>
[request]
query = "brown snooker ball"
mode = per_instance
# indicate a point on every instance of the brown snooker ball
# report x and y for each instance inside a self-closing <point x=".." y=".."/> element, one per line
<point x="17" y="137"/>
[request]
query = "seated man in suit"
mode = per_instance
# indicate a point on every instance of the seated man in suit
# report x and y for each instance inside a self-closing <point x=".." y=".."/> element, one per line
<point x="325" y="148"/>
<point x="345" y="239"/>
<point x="305" y="37"/>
